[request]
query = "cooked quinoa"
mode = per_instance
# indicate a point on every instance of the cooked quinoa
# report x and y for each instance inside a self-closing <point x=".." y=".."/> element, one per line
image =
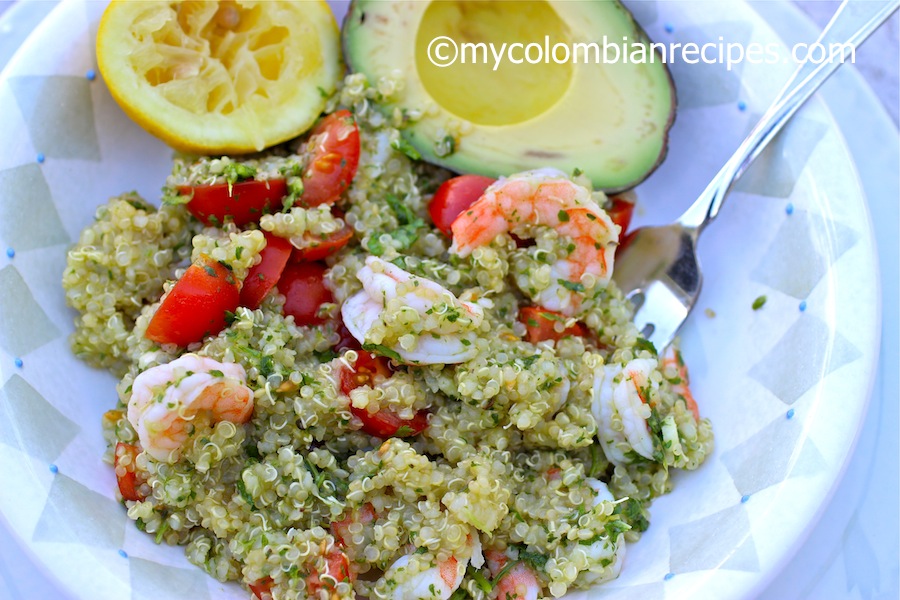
<point x="513" y="459"/>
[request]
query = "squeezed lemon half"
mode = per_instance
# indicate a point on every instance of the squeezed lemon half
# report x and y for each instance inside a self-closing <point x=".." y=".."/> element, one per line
<point x="220" y="77"/>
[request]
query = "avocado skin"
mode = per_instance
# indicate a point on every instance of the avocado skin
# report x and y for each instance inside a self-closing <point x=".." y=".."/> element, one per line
<point x="358" y="23"/>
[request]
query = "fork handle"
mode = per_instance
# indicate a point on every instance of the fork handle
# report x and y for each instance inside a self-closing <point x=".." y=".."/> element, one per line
<point x="851" y="24"/>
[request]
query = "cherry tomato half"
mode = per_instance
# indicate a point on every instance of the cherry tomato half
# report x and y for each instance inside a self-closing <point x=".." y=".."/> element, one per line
<point x="539" y="325"/>
<point x="244" y="202"/>
<point x="196" y="306"/>
<point x="368" y="367"/>
<point x="323" y="248"/>
<point x="262" y="589"/>
<point x="303" y="286"/>
<point x="453" y="197"/>
<point x="334" y="160"/>
<point x="385" y="423"/>
<point x="365" y="514"/>
<point x="264" y="275"/>
<point x="126" y="476"/>
<point x="337" y="569"/>
<point x="620" y="212"/>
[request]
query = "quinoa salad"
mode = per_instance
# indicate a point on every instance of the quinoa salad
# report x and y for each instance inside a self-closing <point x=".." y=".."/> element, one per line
<point x="359" y="375"/>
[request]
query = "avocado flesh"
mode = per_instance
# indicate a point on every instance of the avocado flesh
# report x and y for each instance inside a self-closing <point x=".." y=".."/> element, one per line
<point x="609" y="120"/>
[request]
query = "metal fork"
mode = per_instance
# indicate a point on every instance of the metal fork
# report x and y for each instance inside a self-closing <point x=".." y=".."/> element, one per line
<point x="659" y="270"/>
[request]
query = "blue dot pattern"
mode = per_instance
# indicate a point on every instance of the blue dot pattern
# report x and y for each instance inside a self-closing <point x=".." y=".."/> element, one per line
<point x="90" y="75"/>
<point x="742" y="106"/>
<point x="789" y="209"/>
<point x="669" y="576"/>
<point x="790" y="414"/>
<point x="54" y="469"/>
<point x="669" y="28"/>
<point x="10" y="252"/>
<point x="744" y="498"/>
<point x="802" y="305"/>
<point x="123" y="554"/>
<point x="40" y="157"/>
<point x="18" y="362"/>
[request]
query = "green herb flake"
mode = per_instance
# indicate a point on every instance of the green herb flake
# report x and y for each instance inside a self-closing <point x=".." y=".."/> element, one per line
<point x="376" y="248"/>
<point x="563" y="216"/>
<point x="216" y="373"/>
<point x="536" y="560"/>
<point x="235" y="172"/>
<point x="401" y="145"/>
<point x="266" y="366"/>
<point x="571" y="285"/>
<point x="405" y="431"/>
<point x="759" y="302"/>
<point x="482" y="582"/>
<point x="383" y="350"/>
<point x="242" y="490"/>
<point x="645" y="344"/>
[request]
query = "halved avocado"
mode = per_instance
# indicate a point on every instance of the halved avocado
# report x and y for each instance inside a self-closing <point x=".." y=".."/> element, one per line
<point x="609" y="120"/>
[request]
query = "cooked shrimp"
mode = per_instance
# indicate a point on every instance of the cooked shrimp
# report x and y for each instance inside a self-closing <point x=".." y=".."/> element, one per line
<point x="544" y="197"/>
<point x="619" y="391"/>
<point x="519" y="583"/>
<point x="420" y="320"/>
<point x="166" y="398"/>
<point x="672" y="358"/>
<point x="606" y="555"/>
<point x="437" y="582"/>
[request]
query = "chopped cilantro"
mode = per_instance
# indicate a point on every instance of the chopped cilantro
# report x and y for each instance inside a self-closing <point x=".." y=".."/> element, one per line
<point x="632" y="512"/>
<point x="383" y="350"/>
<point x="266" y="366"/>
<point x="242" y="490"/>
<point x="401" y="145"/>
<point x="405" y="431"/>
<point x="235" y="172"/>
<point x="645" y="344"/>
<point x="482" y="582"/>
<point x="571" y="285"/>
<point x="376" y="248"/>
<point x="563" y="216"/>
<point x="216" y="373"/>
<point x="536" y="560"/>
<point x="404" y="213"/>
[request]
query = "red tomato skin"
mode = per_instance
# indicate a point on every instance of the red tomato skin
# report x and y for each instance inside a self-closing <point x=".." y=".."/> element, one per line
<point x="303" y="287"/>
<point x="368" y="366"/>
<point x="196" y="305"/>
<point x="264" y="275"/>
<point x="621" y="211"/>
<point x="244" y="202"/>
<point x="455" y="196"/>
<point x="384" y="423"/>
<point x="128" y="484"/>
<point x="539" y="325"/>
<point x="262" y="589"/>
<point x="337" y="567"/>
<point x="334" y="159"/>
<point x="324" y="248"/>
<point x="341" y="529"/>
